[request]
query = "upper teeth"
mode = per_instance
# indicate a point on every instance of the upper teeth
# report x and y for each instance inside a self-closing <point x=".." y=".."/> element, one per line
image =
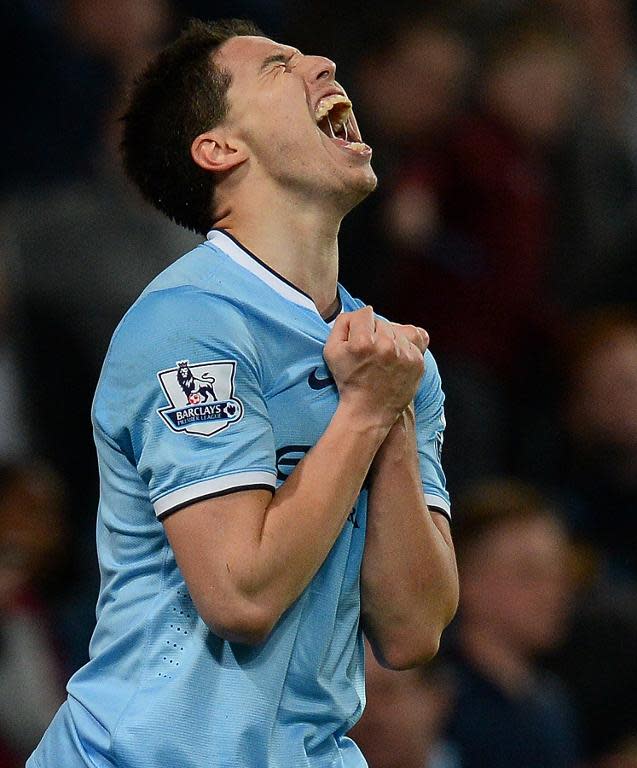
<point x="327" y="103"/>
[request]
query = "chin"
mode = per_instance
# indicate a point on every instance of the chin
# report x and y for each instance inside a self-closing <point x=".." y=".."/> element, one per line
<point x="359" y="186"/>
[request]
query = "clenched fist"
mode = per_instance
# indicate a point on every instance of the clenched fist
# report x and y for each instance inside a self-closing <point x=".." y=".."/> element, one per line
<point x="377" y="366"/>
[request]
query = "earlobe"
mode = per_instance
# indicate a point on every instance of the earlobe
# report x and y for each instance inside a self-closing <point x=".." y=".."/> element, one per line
<point x="213" y="153"/>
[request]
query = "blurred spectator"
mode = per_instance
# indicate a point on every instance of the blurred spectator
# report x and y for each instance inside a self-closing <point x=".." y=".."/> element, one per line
<point x="79" y="253"/>
<point x="601" y="415"/>
<point x="315" y="27"/>
<point x="597" y="661"/>
<point x="31" y="549"/>
<point x="72" y="54"/>
<point x="512" y="558"/>
<point x="483" y="264"/>
<point x="430" y="60"/>
<point x="467" y="233"/>
<point x="402" y="723"/>
<point x="597" y="262"/>
<point x="407" y="90"/>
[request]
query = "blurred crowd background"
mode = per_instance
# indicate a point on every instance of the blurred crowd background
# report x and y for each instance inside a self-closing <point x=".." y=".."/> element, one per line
<point x="505" y="141"/>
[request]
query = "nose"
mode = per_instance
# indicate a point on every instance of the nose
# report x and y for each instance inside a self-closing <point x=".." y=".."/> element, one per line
<point x="322" y="68"/>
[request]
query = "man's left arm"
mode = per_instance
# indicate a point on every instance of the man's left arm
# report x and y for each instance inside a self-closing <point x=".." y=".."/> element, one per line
<point x="409" y="580"/>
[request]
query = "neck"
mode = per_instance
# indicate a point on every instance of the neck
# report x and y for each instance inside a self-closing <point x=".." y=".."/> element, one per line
<point x="296" y="238"/>
<point x="496" y="659"/>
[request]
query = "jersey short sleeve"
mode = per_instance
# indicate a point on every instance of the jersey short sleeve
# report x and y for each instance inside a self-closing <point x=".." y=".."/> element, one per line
<point x="181" y="394"/>
<point x="430" y="425"/>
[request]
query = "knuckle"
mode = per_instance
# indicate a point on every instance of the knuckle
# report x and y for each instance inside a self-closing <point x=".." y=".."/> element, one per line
<point x="385" y="345"/>
<point x="362" y="344"/>
<point x="411" y="331"/>
<point x="384" y="329"/>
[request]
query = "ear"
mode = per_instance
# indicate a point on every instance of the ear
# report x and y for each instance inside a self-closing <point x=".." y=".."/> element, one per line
<point x="213" y="152"/>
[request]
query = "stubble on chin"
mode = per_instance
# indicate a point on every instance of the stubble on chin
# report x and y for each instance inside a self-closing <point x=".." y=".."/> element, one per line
<point x="359" y="189"/>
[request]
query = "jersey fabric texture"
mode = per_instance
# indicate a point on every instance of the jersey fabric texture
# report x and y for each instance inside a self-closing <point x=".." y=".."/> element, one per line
<point x="215" y="381"/>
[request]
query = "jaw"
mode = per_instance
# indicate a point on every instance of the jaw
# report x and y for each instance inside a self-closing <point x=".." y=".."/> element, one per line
<point x="307" y="165"/>
<point x="347" y="157"/>
<point x="345" y="160"/>
<point x="349" y="171"/>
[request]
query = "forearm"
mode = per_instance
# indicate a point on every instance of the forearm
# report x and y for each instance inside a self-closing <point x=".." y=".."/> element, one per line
<point x="247" y="556"/>
<point x="409" y="582"/>
<point x="307" y="513"/>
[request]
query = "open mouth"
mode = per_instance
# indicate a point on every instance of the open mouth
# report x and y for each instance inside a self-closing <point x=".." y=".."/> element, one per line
<point x="333" y="115"/>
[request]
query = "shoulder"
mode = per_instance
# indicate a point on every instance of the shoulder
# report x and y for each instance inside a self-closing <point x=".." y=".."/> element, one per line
<point x="178" y="323"/>
<point x="192" y="311"/>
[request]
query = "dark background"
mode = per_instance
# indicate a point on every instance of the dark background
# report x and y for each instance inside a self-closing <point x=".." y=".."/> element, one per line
<point x="505" y="143"/>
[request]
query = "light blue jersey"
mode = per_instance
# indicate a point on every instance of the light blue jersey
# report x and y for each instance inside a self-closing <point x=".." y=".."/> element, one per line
<point x="215" y="381"/>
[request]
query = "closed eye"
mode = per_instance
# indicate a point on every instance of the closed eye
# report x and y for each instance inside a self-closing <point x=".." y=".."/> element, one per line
<point x="287" y="63"/>
<point x="278" y="58"/>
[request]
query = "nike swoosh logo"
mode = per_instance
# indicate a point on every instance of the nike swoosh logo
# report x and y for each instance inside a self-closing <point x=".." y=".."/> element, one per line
<point x="316" y="383"/>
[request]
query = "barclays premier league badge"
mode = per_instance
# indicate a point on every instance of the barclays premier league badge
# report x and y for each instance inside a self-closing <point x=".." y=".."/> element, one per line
<point x="201" y="397"/>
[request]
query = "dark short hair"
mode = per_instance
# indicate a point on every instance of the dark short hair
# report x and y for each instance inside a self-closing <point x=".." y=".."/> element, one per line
<point x="494" y="502"/>
<point x="181" y="94"/>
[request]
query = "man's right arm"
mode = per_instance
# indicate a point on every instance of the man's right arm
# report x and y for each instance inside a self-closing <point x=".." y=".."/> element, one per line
<point x="247" y="556"/>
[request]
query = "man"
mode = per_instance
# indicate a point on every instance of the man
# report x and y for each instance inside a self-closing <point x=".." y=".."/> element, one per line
<point x="513" y="560"/>
<point x="257" y="429"/>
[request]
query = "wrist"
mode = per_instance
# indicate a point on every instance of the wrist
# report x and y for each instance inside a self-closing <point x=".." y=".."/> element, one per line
<point x="400" y="440"/>
<point x="365" y="422"/>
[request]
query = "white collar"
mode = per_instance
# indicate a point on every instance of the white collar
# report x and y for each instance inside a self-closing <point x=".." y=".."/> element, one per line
<point x="246" y="259"/>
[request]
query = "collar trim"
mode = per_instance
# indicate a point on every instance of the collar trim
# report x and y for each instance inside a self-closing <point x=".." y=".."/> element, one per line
<point x="246" y="259"/>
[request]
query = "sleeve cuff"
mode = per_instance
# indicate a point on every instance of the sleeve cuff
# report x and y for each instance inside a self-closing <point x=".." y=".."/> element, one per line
<point x="208" y="489"/>
<point x="438" y="504"/>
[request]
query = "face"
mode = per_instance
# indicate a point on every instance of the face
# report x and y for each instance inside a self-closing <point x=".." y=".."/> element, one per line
<point x="295" y="122"/>
<point x="516" y="583"/>
<point x="537" y="91"/>
<point x="604" y="403"/>
<point x="431" y="66"/>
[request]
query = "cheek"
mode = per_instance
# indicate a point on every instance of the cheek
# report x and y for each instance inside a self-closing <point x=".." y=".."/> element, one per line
<point x="539" y="609"/>
<point x="284" y="136"/>
<point x="499" y="601"/>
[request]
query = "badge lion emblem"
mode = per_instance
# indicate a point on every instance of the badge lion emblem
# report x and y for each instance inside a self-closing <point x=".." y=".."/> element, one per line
<point x="196" y="390"/>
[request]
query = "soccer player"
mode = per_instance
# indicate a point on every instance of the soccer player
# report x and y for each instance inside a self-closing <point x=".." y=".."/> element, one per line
<point x="269" y="449"/>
